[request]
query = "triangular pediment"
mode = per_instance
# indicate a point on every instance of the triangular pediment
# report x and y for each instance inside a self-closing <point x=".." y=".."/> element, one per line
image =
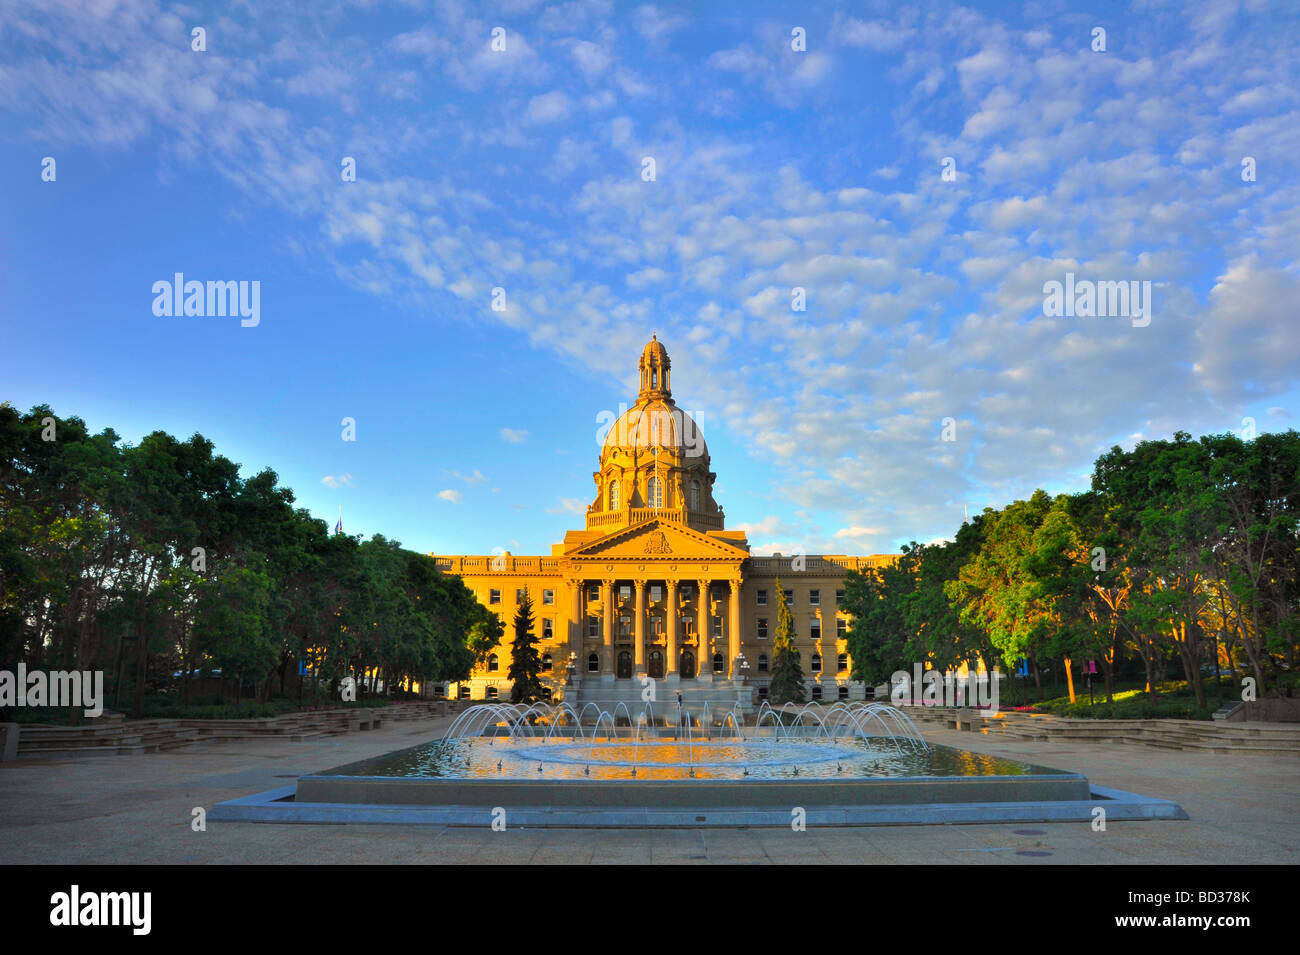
<point x="657" y="539"/>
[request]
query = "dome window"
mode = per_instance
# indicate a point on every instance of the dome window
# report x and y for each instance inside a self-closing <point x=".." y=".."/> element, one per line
<point x="695" y="495"/>
<point x="655" y="492"/>
<point x="614" y="502"/>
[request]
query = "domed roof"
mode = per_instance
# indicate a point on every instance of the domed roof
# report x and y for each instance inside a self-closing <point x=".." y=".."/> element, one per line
<point x="656" y="422"/>
<point x="654" y="349"/>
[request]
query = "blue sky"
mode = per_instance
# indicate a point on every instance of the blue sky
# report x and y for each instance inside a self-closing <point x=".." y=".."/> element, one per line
<point x="774" y="169"/>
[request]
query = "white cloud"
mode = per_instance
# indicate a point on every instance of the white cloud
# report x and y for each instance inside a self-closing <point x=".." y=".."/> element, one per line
<point x="514" y="435"/>
<point x="335" y="481"/>
<point x="451" y="495"/>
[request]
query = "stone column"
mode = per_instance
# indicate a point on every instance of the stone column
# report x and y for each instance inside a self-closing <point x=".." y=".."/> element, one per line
<point x="670" y="608"/>
<point x="733" y="629"/>
<point x="705" y="667"/>
<point x="639" y="628"/>
<point x="577" y="619"/>
<point x="607" y="646"/>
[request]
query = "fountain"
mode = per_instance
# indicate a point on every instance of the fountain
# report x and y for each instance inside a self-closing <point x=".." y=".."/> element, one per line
<point x="846" y="763"/>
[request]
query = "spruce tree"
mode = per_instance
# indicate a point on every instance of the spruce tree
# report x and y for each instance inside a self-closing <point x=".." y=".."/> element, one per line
<point x="524" y="661"/>
<point x="787" y="673"/>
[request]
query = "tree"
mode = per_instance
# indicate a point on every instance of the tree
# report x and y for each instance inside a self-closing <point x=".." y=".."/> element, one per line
<point x="787" y="673"/>
<point x="524" y="661"/>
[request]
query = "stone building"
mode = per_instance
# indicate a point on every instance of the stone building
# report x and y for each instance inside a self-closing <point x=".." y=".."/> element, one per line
<point x="655" y="585"/>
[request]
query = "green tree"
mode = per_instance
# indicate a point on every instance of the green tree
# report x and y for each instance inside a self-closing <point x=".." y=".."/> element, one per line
<point x="525" y="663"/>
<point x="787" y="673"/>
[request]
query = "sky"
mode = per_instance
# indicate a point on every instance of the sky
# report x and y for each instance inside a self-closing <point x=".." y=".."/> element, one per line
<point x="920" y="172"/>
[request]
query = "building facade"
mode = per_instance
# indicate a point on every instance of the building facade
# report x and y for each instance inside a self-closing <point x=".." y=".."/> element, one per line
<point x="655" y="585"/>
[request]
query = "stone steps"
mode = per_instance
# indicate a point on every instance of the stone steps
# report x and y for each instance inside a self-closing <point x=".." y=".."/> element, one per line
<point x="112" y="735"/>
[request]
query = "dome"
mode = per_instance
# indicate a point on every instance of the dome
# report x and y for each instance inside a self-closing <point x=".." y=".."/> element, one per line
<point x="656" y="423"/>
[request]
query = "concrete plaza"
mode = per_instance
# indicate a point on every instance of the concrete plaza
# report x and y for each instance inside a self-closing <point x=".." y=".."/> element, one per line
<point x="138" y="809"/>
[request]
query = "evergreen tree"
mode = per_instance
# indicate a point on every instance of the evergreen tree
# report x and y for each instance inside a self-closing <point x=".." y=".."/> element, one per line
<point x="524" y="661"/>
<point x="787" y="673"/>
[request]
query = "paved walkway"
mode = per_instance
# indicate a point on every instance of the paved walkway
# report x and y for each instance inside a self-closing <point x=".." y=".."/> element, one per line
<point x="137" y="809"/>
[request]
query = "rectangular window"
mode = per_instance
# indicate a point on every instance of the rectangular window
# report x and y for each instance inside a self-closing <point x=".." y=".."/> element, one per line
<point x="717" y="626"/>
<point x="593" y="626"/>
<point x="494" y="596"/>
<point x="814" y="598"/>
<point x="625" y="626"/>
<point x="687" y="626"/>
<point x="548" y="596"/>
<point x="519" y="595"/>
<point x="762" y="628"/>
<point x="762" y="664"/>
<point x="593" y="592"/>
<point x="816" y="666"/>
<point x="839" y="596"/>
<point x="789" y="598"/>
<point x="816" y="629"/>
<point x="547" y="628"/>
<point x="841" y="627"/>
<point x="687" y="590"/>
<point x="657" y="625"/>
<point x="760" y="598"/>
<point x="656" y="593"/>
<point x="624" y="592"/>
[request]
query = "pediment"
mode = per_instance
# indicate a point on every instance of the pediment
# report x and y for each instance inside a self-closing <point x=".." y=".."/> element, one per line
<point x="657" y="539"/>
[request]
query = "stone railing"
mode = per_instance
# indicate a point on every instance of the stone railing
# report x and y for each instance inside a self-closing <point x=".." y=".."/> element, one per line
<point x="502" y="564"/>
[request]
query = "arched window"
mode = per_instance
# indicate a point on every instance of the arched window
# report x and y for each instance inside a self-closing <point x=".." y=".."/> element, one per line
<point x="718" y="663"/>
<point x="654" y="378"/>
<point x="547" y="663"/>
<point x="593" y="663"/>
<point x="762" y="663"/>
<point x="614" y="503"/>
<point x="844" y="693"/>
<point x="655" y="492"/>
<point x="695" y="495"/>
<point x="842" y="661"/>
<point x="493" y="663"/>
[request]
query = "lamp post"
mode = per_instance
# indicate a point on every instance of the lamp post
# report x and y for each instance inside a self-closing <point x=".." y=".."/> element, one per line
<point x="742" y="665"/>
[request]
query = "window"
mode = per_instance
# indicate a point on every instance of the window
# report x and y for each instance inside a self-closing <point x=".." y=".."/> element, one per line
<point x="548" y="628"/>
<point x="839" y="596"/>
<point x="789" y="598"/>
<point x="814" y="598"/>
<point x="656" y="593"/>
<point x="687" y="590"/>
<point x="624" y="591"/>
<point x="695" y="495"/>
<point x="655" y="492"/>
<point x="593" y="663"/>
<point x="546" y="693"/>
<point x="842" y="662"/>
<point x="762" y="693"/>
<point x="843" y="693"/>
<point x="519" y="595"/>
<point x="816" y="628"/>
<point x="490" y="693"/>
<point x="657" y="626"/>
<point x="462" y="693"/>
<point x="762" y="628"/>
<point x="593" y="626"/>
<point x="717" y="626"/>
<point x="614" y="502"/>
<point x="494" y="596"/>
<point x="593" y="592"/>
<point x="841" y="628"/>
<point x="760" y="598"/>
<point x="625" y="627"/>
<point x="548" y="596"/>
<point x="493" y="664"/>
<point x="548" y="662"/>
<point x="654" y="378"/>
<point x="816" y="663"/>
<point x="817" y="691"/>
<point x="686" y="626"/>
<point x="762" y="663"/>
<point x="718" y="663"/>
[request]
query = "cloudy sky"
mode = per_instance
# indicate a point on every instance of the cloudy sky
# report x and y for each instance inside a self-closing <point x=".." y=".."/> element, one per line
<point x="1169" y="156"/>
